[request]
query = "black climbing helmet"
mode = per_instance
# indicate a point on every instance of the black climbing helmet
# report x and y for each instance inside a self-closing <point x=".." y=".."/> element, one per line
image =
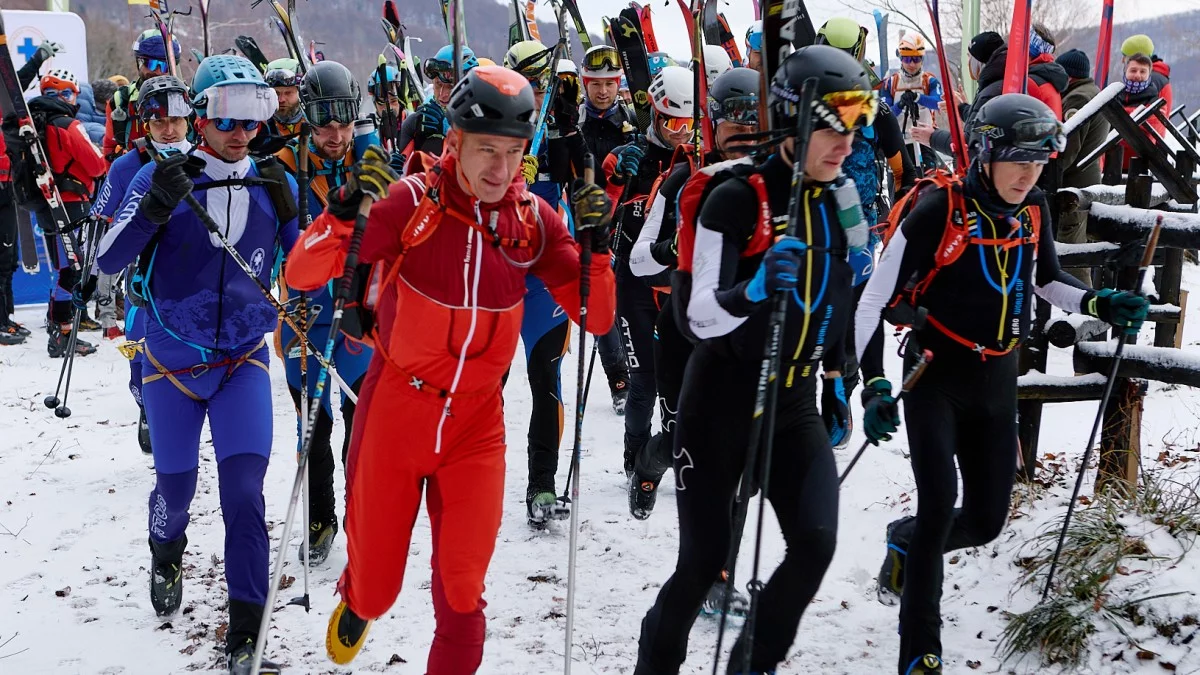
<point x="493" y="100"/>
<point x="845" y="99"/>
<point x="329" y="93"/>
<point x="734" y="97"/>
<point x="1016" y="128"/>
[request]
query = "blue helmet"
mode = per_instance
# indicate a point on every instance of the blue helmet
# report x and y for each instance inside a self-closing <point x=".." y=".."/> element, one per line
<point x="446" y="54"/>
<point x="393" y="75"/>
<point x="754" y="36"/>
<point x="150" y="45"/>
<point x="220" y="71"/>
<point x="657" y="61"/>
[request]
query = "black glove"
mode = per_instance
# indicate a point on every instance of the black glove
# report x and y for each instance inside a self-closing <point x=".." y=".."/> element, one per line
<point x="593" y="215"/>
<point x="433" y="120"/>
<point x="881" y="415"/>
<point x="835" y="410"/>
<point x="81" y="295"/>
<point x="169" y="185"/>
<point x="1122" y="309"/>
<point x="566" y="105"/>
<point x="909" y="98"/>
<point x="372" y="175"/>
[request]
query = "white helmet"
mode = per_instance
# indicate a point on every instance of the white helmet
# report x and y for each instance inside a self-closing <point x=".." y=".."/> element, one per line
<point x="566" y="66"/>
<point x="716" y="62"/>
<point x="672" y="92"/>
<point x="602" y="62"/>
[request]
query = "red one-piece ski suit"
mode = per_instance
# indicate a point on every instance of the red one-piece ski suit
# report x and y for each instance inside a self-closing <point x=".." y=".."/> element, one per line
<point x="430" y="410"/>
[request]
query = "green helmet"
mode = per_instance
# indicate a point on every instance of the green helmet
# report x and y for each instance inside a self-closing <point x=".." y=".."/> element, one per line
<point x="1137" y="44"/>
<point x="531" y="59"/>
<point x="845" y="34"/>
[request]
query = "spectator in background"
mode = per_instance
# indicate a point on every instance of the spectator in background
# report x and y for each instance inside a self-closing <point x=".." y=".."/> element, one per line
<point x="119" y="80"/>
<point x="1081" y="88"/>
<point x="90" y="114"/>
<point x="1047" y="79"/>
<point x="103" y="90"/>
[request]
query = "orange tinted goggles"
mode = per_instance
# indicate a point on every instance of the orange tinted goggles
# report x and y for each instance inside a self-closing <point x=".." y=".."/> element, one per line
<point x="853" y="108"/>
<point x="678" y="124"/>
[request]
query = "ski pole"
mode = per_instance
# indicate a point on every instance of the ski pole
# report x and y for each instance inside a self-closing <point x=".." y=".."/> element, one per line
<point x="585" y="287"/>
<point x="89" y="256"/>
<point x="1143" y="268"/>
<point x="762" y="426"/>
<point x="910" y="381"/>
<point x="302" y="217"/>
<point x="339" y="307"/>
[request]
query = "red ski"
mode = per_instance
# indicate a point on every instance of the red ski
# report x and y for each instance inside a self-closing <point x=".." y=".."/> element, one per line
<point x="647" y="24"/>
<point x="1016" y="68"/>
<point x="1104" y="46"/>
<point x="728" y="42"/>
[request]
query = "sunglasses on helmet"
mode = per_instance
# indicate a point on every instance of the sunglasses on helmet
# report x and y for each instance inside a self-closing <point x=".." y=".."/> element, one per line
<point x="607" y="58"/>
<point x="227" y="124"/>
<point x="340" y="110"/>
<point x="282" y="77"/>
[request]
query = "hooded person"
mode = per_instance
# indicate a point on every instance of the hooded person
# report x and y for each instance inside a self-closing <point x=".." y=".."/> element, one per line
<point x="1081" y="89"/>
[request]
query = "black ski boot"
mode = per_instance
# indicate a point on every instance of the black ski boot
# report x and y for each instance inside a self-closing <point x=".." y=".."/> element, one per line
<point x="14" y="327"/>
<point x="244" y="620"/>
<point x="10" y="337"/>
<point x="60" y="342"/>
<point x="619" y="388"/>
<point x="926" y="664"/>
<point x="320" y="542"/>
<point x="648" y="468"/>
<point x="144" y="433"/>
<point x="891" y="573"/>
<point x="166" y="575"/>
<point x="739" y="604"/>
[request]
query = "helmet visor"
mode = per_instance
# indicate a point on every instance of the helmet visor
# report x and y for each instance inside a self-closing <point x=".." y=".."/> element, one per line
<point x="602" y="59"/>
<point x="163" y="104"/>
<point x="322" y="113"/>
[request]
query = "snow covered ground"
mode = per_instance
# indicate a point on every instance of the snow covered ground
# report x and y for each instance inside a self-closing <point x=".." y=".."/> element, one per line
<point x="73" y="501"/>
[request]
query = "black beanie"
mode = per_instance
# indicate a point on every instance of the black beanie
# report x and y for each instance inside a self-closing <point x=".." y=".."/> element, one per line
<point x="983" y="45"/>
<point x="1076" y="64"/>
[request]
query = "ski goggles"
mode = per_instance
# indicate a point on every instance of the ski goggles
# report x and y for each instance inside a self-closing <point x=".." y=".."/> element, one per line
<point x="845" y="111"/>
<point x="281" y="77"/>
<point x="64" y="94"/>
<point x="912" y="60"/>
<point x="741" y="110"/>
<point x="163" y="105"/>
<point x="602" y="59"/>
<point x="443" y="71"/>
<point x="157" y="65"/>
<point x="677" y="124"/>
<point x="1039" y="134"/>
<point x="340" y="110"/>
<point x="227" y="124"/>
<point x="754" y="41"/>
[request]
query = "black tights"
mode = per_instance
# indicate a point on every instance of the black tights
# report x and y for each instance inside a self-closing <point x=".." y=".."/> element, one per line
<point x="965" y="409"/>
<point x="322" y="503"/>
<point x="715" y="411"/>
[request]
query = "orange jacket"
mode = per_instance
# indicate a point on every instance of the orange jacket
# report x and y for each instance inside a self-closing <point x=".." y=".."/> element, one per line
<point x="448" y="305"/>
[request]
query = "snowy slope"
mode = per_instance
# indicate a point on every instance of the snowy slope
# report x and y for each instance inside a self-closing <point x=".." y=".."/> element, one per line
<point x="73" y="501"/>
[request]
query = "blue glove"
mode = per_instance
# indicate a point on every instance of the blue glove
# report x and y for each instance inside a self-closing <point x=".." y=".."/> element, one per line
<point x="1119" y="308"/>
<point x="778" y="271"/>
<point x="397" y="162"/>
<point x="433" y="120"/>
<point x="881" y="415"/>
<point x="628" y="161"/>
<point x="836" y="412"/>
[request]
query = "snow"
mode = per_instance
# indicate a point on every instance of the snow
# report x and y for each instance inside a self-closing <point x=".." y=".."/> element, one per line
<point x="1035" y="379"/>
<point x="1164" y="357"/>
<point x="1093" y="107"/>
<point x="73" y="514"/>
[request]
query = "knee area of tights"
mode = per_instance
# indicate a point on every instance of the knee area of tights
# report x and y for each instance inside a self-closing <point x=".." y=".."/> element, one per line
<point x="818" y="544"/>
<point x="463" y="597"/>
<point x="987" y="527"/>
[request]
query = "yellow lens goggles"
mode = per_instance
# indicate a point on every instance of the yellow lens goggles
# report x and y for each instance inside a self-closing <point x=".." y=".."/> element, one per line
<point x="852" y="108"/>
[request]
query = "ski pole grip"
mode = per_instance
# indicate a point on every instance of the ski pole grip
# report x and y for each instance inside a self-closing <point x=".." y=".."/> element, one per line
<point x="918" y="369"/>
<point x="1151" y="245"/>
<point x="589" y="168"/>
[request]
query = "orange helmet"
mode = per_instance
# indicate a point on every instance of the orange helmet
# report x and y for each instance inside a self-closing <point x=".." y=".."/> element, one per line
<point x="911" y="44"/>
<point x="59" y="79"/>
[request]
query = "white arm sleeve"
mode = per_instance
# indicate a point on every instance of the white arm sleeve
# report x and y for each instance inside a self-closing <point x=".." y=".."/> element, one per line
<point x="641" y="262"/>
<point x="706" y="317"/>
